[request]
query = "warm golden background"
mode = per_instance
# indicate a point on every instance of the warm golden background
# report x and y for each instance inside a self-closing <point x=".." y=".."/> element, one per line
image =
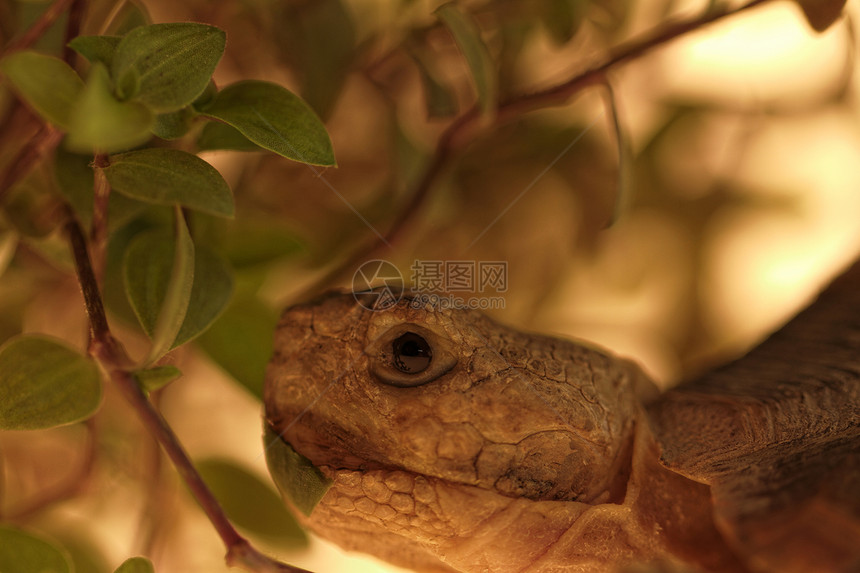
<point x="741" y="197"/>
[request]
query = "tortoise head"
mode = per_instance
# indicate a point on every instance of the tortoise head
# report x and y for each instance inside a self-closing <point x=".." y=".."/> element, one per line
<point x="403" y="403"/>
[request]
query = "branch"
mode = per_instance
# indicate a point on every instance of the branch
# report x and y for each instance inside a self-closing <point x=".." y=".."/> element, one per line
<point x="39" y="27"/>
<point x="101" y="203"/>
<point x="73" y="29"/>
<point x="627" y="52"/>
<point x="99" y="330"/>
<point x="47" y="138"/>
<point x="117" y="364"/>
<point x="512" y="108"/>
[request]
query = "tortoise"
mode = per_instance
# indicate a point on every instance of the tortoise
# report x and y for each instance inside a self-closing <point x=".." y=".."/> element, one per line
<point x="455" y="443"/>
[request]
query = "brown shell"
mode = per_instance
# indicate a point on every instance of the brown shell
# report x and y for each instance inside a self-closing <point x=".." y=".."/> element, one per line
<point x="776" y="435"/>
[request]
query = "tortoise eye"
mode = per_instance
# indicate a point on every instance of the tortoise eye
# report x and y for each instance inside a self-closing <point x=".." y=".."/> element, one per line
<point x="412" y="354"/>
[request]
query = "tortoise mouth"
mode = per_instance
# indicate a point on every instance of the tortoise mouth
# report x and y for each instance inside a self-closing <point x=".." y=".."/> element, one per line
<point x="329" y="447"/>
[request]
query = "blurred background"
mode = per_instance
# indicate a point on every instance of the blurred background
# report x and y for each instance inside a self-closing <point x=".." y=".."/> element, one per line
<point x="734" y="195"/>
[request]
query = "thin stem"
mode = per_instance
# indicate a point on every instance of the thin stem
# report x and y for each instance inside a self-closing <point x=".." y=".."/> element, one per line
<point x="627" y="52"/>
<point x="158" y="427"/>
<point x="73" y="29"/>
<point x="99" y="330"/>
<point x="512" y="108"/>
<point x="101" y="201"/>
<point x="45" y="139"/>
<point x="39" y="27"/>
<point x="623" y="151"/>
<point x="116" y="363"/>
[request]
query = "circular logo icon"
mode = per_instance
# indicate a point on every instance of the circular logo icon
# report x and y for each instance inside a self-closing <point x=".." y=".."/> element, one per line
<point x="377" y="285"/>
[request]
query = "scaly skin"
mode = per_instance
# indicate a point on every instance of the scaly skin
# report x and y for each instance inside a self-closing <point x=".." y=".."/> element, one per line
<point x="530" y="454"/>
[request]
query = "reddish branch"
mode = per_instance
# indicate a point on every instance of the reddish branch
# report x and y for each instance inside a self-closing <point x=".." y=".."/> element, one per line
<point x="47" y="138"/>
<point x="117" y="364"/>
<point x="40" y="26"/>
<point x="507" y="110"/>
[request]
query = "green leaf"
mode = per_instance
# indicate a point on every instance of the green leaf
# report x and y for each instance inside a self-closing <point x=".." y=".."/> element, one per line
<point x="275" y="119"/>
<point x="22" y="552"/>
<point x="44" y="383"/>
<point x="562" y="18"/>
<point x="130" y="15"/>
<point x="177" y="294"/>
<point x="151" y="379"/>
<point x="169" y="177"/>
<point x="76" y="538"/>
<point x="96" y="49"/>
<point x="49" y="85"/>
<point x="318" y="41"/>
<point x="135" y="565"/>
<point x="210" y="295"/>
<point x="74" y="178"/>
<point x="159" y="274"/>
<point x="240" y="341"/>
<point x="100" y="122"/>
<point x="250" y="503"/>
<point x="175" y="124"/>
<point x="299" y="481"/>
<point x="257" y="241"/>
<point x="147" y="270"/>
<point x="468" y="38"/>
<point x="217" y="135"/>
<point x="166" y="66"/>
<point x="474" y="50"/>
<point x="440" y="100"/>
<point x="821" y="14"/>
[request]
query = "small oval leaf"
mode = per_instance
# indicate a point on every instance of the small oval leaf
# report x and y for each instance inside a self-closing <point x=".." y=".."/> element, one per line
<point x="318" y="41"/>
<point x="169" y="64"/>
<point x="217" y="135"/>
<point x="240" y="342"/>
<point x="146" y="272"/>
<point x="49" y="85"/>
<point x="100" y="122"/>
<point x="44" y="383"/>
<point x="440" y="99"/>
<point x="468" y="37"/>
<point x="275" y="119"/>
<point x="152" y="379"/>
<point x="299" y="481"/>
<point x="158" y="271"/>
<point x="250" y="503"/>
<point x="169" y="177"/>
<point x="147" y="268"/>
<point x="96" y="49"/>
<point x="22" y="552"/>
<point x="210" y="295"/>
<point x="135" y="565"/>
<point x="173" y="125"/>
<point x="177" y="296"/>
